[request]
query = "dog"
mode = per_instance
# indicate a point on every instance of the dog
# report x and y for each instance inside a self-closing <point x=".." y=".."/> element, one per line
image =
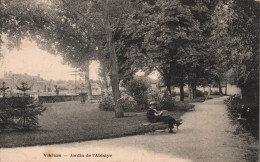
<point x="173" y="122"/>
<point x="178" y="123"/>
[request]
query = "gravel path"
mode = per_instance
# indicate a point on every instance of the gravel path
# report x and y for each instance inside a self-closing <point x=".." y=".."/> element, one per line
<point x="207" y="134"/>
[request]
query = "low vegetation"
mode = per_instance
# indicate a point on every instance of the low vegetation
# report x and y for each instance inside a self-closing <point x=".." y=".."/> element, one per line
<point x="247" y="113"/>
<point x="136" y="97"/>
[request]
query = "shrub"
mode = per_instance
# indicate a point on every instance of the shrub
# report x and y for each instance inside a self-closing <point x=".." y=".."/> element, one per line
<point x="138" y="89"/>
<point x="199" y="93"/>
<point x="205" y="93"/>
<point x="164" y="100"/>
<point x="128" y="103"/>
<point x="155" y="95"/>
<point x="234" y="102"/>
<point x="106" y="102"/>
<point x="186" y="94"/>
<point x="167" y="102"/>
<point x="249" y="111"/>
<point x="215" y="93"/>
<point x="174" y="94"/>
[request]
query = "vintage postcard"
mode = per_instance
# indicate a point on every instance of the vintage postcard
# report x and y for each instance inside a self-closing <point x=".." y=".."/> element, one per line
<point x="129" y="81"/>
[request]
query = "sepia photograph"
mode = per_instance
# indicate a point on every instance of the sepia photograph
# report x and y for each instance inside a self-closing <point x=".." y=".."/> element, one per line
<point x="129" y="80"/>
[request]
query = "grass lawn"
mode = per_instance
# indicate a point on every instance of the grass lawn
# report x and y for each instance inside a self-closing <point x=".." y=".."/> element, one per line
<point x="72" y="121"/>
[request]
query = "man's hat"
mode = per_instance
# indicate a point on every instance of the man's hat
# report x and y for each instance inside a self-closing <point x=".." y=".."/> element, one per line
<point x="152" y="103"/>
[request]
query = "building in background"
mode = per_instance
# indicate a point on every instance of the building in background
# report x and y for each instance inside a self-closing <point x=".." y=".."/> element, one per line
<point x="42" y="87"/>
<point x="37" y="84"/>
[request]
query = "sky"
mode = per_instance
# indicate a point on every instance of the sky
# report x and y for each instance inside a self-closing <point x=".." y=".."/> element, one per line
<point x="32" y="60"/>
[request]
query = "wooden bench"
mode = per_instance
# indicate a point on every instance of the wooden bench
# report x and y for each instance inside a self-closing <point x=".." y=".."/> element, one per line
<point x="154" y="126"/>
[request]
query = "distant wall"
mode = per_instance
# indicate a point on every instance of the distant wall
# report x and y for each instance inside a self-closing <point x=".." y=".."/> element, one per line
<point x="231" y="89"/>
<point x="64" y="98"/>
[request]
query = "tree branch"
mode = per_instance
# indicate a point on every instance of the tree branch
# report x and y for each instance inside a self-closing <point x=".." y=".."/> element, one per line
<point x="159" y="70"/>
<point x="117" y="27"/>
<point x="81" y="14"/>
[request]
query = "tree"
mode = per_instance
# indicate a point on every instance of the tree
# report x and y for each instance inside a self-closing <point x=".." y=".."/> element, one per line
<point x="3" y="89"/>
<point x="236" y="44"/>
<point x="199" y="62"/>
<point x="52" y="31"/>
<point x="74" y="29"/>
<point x="246" y="57"/>
<point x="27" y="110"/>
<point x="57" y="89"/>
<point x="111" y="25"/>
<point x="24" y="87"/>
<point x="221" y="43"/>
<point x="30" y="109"/>
<point x="168" y="34"/>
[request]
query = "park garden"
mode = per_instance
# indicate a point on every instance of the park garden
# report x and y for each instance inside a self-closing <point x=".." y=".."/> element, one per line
<point x="189" y="43"/>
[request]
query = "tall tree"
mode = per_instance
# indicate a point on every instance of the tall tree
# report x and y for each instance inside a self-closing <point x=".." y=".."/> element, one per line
<point x="235" y="44"/>
<point x="166" y="30"/>
<point x="45" y="24"/>
<point x="245" y="58"/>
<point x="221" y="43"/>
<point x="74" y="29"/>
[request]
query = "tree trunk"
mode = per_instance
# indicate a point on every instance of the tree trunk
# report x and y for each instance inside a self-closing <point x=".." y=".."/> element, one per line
<point x="220" y="88"/>
<point x="24" y="118"/>
<point x="113" y="61"/>
<point x="87" y="81"/>
<point x="190" y="89"/>
<point x="168" y="84"/>
<point x="116" y="94"/>
<point x="190" y="92"/>
<point x="169" y="78"/>
<point x="226" y="89"/>
<point x="256" y="95"/>
<point x="194" y="91"/>
<point x="181" y="92"/>
<point x="209" y="89"/>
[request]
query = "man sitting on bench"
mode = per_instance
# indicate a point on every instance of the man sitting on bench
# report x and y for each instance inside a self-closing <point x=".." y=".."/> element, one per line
<point x="157" y="116"/>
